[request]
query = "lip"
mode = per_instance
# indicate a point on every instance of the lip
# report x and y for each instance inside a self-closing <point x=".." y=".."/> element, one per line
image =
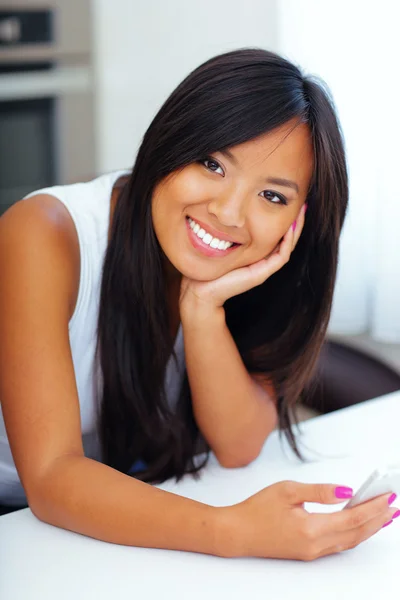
<point x="205" y="249"/>
<point x="215" y="233"/>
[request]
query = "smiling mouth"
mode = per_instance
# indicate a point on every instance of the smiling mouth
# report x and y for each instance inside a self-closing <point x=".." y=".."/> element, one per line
<point x="208" y="238"/>
<point x="206" y="243"/>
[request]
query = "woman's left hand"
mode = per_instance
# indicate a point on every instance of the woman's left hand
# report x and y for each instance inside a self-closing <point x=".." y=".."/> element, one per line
<point x="213" y="294"/>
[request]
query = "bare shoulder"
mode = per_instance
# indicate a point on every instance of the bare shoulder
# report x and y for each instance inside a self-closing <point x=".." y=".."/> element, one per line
<point x="39" y="274"/>
<point x="36" y="231"/>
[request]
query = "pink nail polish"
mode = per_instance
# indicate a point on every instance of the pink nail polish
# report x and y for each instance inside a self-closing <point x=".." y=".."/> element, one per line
<point x="343" y="492"/>
<point x="294" y="225"/>
<point x="396" y="514"/>
<point x="392" y="499"/>
<point x="386" y="524"/>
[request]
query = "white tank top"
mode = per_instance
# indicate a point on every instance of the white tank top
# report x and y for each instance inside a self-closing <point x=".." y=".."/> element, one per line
<point x="89" y="206"/>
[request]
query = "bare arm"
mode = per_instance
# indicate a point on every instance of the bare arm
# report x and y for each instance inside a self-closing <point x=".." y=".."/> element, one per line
<point x="85" y="496"/>
<point x="234" y="410"/>
<point x="39" y="273"/>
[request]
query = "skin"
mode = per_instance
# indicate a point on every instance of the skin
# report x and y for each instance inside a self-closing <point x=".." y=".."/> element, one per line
<point x="39" y="273"/>
<point x="227" y="197"/>
<point x="235" y="201"/>
<point x="234" y="198"/>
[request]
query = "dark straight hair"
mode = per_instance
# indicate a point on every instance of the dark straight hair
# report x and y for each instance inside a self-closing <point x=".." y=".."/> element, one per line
<point x="279" y="326"/>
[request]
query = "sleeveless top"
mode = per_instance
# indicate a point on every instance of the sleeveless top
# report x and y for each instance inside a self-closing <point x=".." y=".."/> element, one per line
<point x="89" y="207"/>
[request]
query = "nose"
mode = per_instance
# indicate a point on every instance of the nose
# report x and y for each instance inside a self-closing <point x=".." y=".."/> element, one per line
<point x="229" y="209"/>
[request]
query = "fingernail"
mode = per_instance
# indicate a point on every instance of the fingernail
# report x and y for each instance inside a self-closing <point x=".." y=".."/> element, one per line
<point x="392" y="499"/>
<point x="396" y="514"/>
<point x="343" y="492"/>
<point x="386" y="524"/>
<point x="294" y="225"/>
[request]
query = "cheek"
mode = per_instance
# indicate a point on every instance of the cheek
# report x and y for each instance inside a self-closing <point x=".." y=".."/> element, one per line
<point x="182" y="190"/>
<point x="163" y="200"/>
<point x="188" y="189"/>
<point x="266" y="237"/>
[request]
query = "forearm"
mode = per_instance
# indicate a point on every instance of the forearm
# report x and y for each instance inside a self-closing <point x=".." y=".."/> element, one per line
<point x="234" y="413"/>
<point x="90" y="498"/>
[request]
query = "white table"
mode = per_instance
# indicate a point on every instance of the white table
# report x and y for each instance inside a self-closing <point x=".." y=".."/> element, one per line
<point x="41" y="562"/>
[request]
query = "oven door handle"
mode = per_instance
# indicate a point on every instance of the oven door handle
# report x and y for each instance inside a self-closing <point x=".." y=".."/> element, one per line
<point x="42" y="84"/>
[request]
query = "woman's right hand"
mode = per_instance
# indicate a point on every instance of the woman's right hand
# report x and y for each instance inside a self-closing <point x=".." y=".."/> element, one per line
<point x="273" y="523"/>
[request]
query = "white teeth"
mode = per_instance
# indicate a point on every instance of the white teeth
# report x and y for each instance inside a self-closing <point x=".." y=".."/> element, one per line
<point x="208" y="238"/>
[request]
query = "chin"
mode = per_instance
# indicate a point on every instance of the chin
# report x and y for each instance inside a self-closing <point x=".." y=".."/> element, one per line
<point x="200" y="273"/>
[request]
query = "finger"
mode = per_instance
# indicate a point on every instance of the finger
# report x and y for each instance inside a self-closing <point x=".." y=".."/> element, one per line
<point x="299" y="224"/>
<point x="343" y="541"/>
<point x="289" y="240"/>
<point x="243" y="279"/>
<point x="321" y="493"/>
<point x="357" y="516"/>
<point x="261" y="270"/>
<point x="284" y="249"/>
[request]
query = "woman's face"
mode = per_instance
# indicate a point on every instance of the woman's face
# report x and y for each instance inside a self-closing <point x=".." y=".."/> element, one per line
<point x="250" y="196"/>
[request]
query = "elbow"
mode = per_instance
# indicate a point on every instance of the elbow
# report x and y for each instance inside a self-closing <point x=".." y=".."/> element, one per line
<point x="37" y="505"/>
<point x="234" y="461"/>
<point x="37" y="511"/>
<point x="42" y="492"/>
<point x="240" y="455"/>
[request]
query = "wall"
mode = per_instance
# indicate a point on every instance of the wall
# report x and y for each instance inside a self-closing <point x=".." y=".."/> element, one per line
<point x="143" y="50"/>
<point x="355" y="46"/>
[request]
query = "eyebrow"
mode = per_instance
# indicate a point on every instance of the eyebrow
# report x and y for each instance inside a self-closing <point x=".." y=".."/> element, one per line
<point x="282" y="181"/>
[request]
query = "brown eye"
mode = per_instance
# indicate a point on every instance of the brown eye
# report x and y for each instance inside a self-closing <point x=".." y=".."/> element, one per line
<point x="274" y="198"/>
<point x="211" y="164"/>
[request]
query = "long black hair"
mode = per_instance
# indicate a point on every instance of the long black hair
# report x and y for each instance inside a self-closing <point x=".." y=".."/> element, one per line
<point x="279" y="326"/>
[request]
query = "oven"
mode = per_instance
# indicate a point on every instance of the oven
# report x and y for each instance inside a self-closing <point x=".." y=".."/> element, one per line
<point x="46" y="96"/>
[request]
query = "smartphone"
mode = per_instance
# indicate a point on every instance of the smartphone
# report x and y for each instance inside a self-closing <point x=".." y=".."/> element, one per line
<point x="381" y="481"/>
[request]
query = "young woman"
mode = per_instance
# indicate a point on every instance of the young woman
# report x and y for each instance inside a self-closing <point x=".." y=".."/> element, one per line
<point x="148" y="315"/>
